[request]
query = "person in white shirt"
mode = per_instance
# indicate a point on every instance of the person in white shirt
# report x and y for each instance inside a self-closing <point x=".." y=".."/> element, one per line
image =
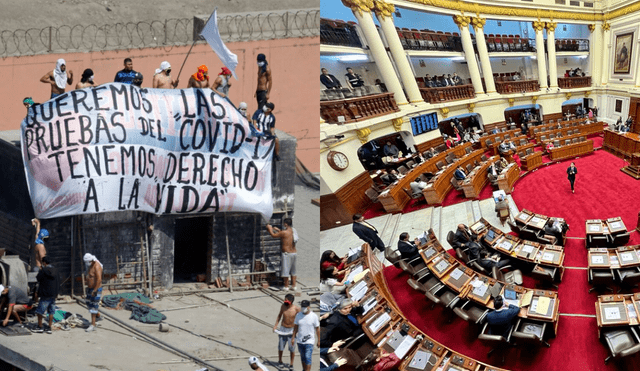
<point x="306" y="332"/>
<point x="417" y="186"/>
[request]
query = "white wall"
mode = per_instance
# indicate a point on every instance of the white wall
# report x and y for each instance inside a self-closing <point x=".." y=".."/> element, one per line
<point x="439" y="66"/>
<point x="368" y="70"/>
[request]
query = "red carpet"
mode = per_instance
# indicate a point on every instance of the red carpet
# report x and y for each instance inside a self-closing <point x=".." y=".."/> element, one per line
<point x="602" y="191"/>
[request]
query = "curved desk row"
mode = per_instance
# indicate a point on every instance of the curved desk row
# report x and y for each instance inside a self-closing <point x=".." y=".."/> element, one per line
<point x="571" y="150"/>
<point x="497" y="137"/>
<point x="386" y="327"/>
<point x="394" y="198"/>
<point x="508" y="177"/>
<point x="584" y="129"/>
<point x="530" y="161"/>
<point x="440" y="184"/>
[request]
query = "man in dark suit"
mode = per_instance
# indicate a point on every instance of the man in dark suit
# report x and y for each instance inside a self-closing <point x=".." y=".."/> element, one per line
<point x="387" y="178"/>
<point x="571" y="175"/>
<point x="409" y="249"/>
<point x="462" y="237"/>
<point x="328" y="80"/>
<point x="429" y="82"/>
<point x="487" y="262"/>
<point x="367" y="232"/>
<point x="501" y="319"/>
<point x="456" y="79"/>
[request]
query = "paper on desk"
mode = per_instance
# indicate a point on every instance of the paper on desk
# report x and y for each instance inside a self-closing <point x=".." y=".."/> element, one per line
<point x="597" y="259"/>
<point x="456" y="274"/>
<point x="379" y="322"/>
<point x="613" y="260"/>
<point x="626" y="257"/>
<point x="543" y="305"/>
<point x="355" y="272"/>
<point x="442" y="265"/>
<point x="535" y="219"/>
<point x="632" y="310"/>
<point x="515" y="302"/>
<point x="360" y="275"/>
<point x="369" y="304"/>
<point x="594" y="228"/>
<point x="547" y="256"/>
<point x="476" y="283"/>
<point x="420" y="359"/>
<point x="480" y="290"/>
<point x="534" y="305"/>
<point x="526" y="298"/>
<point x="527" y="248"/>
<point x="405" y="346"/>
<point x="616" y="225"/>
<point x="358" y="291"/>
<point x="611" y="313"/>
<point x="506" y="244"/>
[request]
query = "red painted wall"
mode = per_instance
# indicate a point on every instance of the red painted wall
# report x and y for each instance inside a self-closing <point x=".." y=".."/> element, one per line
<point x="294" y="63"/>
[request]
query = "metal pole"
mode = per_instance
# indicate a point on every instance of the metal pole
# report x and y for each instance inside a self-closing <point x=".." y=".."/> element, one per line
<point x="81" y="252"/>
<point x="144" y="267"/>
<point x="74" y="220"/>
<point x="226" y="232"/>
<point x="253" y="245"/>
<point x="146" y="242"/>
<point x="50" y="36"/>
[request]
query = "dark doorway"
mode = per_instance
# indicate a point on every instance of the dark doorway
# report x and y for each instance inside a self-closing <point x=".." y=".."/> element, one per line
<point x="191" y="251"/>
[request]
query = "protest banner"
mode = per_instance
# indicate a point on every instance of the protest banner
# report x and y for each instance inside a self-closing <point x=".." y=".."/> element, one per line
<point x="118" y="147"/>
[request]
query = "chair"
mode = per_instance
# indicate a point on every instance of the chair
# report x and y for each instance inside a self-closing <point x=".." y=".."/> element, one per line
<point x="488" y="142"/>
<point x="574" y="140"/>
<point x="484" y="157"/>
<point x="393" y="256"/>
<point x="528" y="234"/>
<point x="451" y="239"/>
<point x="411" y="164"/>
<point x="529" y="151"/>
<point x="469" y="168"/>
<point x="545" y="274"/>
<point x="372" y="194"/>
<point x="443" y="295"/>
<point x="471" y="312"/>
<point x="514" y="227"/>
<point x="628" y="278"/>
<point x="413" y="196"/>
<point x="529" y="332"/>
<point x="620" y="239"/>
<point x="494" y="341"/>
<point x="455" y="184"/>
<point x="440" y="165"/>
<point x="556" y="143"/>
<point x="597" y="241"/>
<point x="403" y="170"/>
<point x="513" y="277"/>
<point x="600" y="278"/>
<point x="543" y="138"/>
<point x="621" y="342"/>
<point x="420" y="287"/>
<point x="567" y="141"/>
<point x="582" y="138"/>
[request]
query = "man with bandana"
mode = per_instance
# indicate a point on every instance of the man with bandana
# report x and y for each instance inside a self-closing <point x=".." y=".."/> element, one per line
<point x="288" y="313"/>
<point x="28" y="103"/>
<point x="126" y="75"/>
<point x="223" y="83"/>
<point x="255" y="364"/>
<point x="41" y="235"/>
<point x="200" y="79"/>
<point x="87" y="80"/>
<point x="94" y="288"/>
<point x="162" y="79"/>
<point x="264" y="81"/>
<point x="58" y="78"/>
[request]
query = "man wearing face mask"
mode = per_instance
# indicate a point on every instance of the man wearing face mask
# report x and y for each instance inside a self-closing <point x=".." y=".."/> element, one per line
<point x="242" y="108"/>
<point x="58" y="78"/>
<point x="265" y="125"/>
<point x="41" y="235"/>
<point x="200" y="79"/>
<point x="94" y="287"/>
<point x="264" y="81"/>
<point x="87" y="80"/>
<point x="306" y="332"/>
<point x="288" y="313"/>
<point x="28" y="103"/>
<point x="222" y="83"/>
<point x="162" y="79"/>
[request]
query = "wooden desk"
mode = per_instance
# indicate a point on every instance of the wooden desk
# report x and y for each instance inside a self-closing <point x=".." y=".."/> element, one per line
<point x="477" y="179"/>
<point x="497" y="137"/>
<point x="571" y="150"/>
<point x="515" y="140"/>
<point x="508" y="177"/>
<point x="394" y="198"/>
<point x="440" y="184"/>
<point x="621" y="257"/>
<point x="625" y="145"/>
<point x="617" y="310"/>
<point x="610" y="227"/>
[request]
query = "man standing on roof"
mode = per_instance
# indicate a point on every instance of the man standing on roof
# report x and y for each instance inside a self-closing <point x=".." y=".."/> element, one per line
<point x="200" y="79"/>
<point x="223" y="83"/>
<point x="264" y="81"/>
<point x="41" y="235"/>
<point x="94" y="287"/>
<point x="162" y="78"/>
<point x="58" y="78"/>
<point x="126" y="75"/>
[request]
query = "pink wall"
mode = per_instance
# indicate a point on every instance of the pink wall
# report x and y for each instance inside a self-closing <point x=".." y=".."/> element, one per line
<point x="294" y="63"/>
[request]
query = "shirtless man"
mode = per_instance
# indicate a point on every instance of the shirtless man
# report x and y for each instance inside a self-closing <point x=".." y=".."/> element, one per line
<point x="264" y="81"/>
<point x="199" y="79"/>
<point x="288" y="252"/>
<point x="223" y="83"/>
<point x="41" y="235"/>
<point x="162" y="79"/>
<point x="58" y="78"/>
<point x="87" y="80"/>
<point x="288" y="313"/>
<point x="94" y="288"/>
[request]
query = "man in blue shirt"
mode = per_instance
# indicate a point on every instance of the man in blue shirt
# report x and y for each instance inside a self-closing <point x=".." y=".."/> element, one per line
<point x="502" y="317"/>
<point x="126" y="75"/>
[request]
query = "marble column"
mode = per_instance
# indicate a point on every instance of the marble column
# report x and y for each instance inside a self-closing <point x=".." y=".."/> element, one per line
<point x="606" y="54"/>
<point x="469" y="53"/>
<point x="595" y="63"/>
<point x="551" y="52"/>
<point x="485" y="62"/>
<point x="542" y="65"/>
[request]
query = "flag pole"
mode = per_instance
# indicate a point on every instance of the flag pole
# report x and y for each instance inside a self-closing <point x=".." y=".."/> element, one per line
<point x="194" y="43"/>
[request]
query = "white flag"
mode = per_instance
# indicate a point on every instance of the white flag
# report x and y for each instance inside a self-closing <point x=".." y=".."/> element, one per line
<point x="211" y="33"/>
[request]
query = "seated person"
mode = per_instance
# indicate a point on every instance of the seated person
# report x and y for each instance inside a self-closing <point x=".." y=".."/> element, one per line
<point x="448" y="141"/>
<point x="387" y="178"/>
<point x="329" y="301"/>
<point x="16" y="302"/>
<point x="329" y="81"/>
<point x="324" y="359"/>
<point x="549" y="146"/>
<point x="488" y="262"/>
<point x="330" y="259"/>
<point x="474" y="247"/>
<point x="511" y="145"/>
<point x="332" y="280"/>
<point x="524" y="128"/>
<point x="475" y="136"/>
<point x="418" y="158"/>
<point x="504" y="148"/>
<point x="380" y="360"/>
<point x="456" y="79"/>
<point x="409" y="249"/>
<point x="459" y="174"/>
<point x="553" y="228"/>
<point x="501" y="319"/>
<point x="429" y="82"/>
<point x="390" y="150"/>
<point x="341" y="324"/>
<point x="430" y="153"/>
<point x="417" y="186"/>
<point x="462" y="237"/>
<point x="502" y="164"/>
<point x="492" y="172"/>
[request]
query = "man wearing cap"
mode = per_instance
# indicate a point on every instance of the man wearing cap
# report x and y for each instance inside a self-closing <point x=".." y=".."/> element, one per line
<point x="306" y="332"/>
<point x="200" y="79"/>
<point x="16" y="300"/>
<point x="255" y="364"/>
<point x="94" y="287"/>
<point x="48" y="285"/>
<point x="223" y="83"/>
<point x="41" y="235"/>
<point x="162" y="78"/>
<point x="288" y="313"/>
<point x="264" y="81"/>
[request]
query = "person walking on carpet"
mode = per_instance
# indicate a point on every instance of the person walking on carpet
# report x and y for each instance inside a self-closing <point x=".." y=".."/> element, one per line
<point x="571" y="175"/>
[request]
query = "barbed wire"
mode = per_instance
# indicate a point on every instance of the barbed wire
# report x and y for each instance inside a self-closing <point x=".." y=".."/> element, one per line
<point x="168" y="33"/>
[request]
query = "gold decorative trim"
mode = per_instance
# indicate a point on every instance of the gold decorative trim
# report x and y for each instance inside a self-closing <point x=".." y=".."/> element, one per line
<point x="444" y="111"/>
<point x="383" y="9"/>
<point x="551" y="26"/>
<point x="586" y="93"/>
<point x="418" y="101"/>
<point x="471" y="106"/>
<point x="534" y="99"/>
<point x="397" y="123"/>
<point x="511" y="101"/>
<point x="363" y="135"/>
<point x="606" y="26"/>
<point x="592" y="27"/>
<point x="567" y="95"/>
<point x="359" y="6"/>
<point x="538" y="25"/>
<point x="461" y="20"/>
<point x="402" y="104"/>
<point x="478" y="23"/>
